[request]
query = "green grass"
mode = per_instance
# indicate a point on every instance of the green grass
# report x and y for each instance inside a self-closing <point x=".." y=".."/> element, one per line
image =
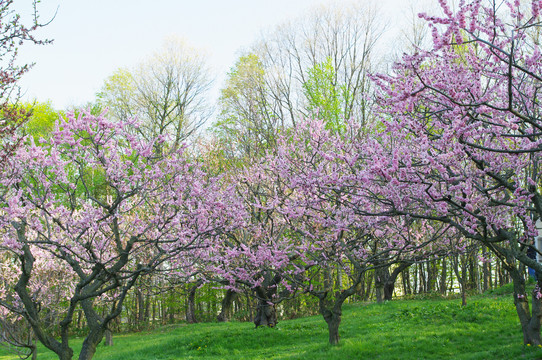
<point x="487" y="328"/>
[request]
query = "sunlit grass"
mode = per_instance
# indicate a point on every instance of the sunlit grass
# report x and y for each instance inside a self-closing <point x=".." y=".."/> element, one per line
<point x="487" y="328"/>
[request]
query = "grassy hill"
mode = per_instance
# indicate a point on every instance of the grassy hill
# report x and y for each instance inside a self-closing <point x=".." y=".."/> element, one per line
<point x="487" y="328"/>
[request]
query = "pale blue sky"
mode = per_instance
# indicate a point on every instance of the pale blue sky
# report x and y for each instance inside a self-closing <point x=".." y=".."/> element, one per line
<point x="93" y="38"/>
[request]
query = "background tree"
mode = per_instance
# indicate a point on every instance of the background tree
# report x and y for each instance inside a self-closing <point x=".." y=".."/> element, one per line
<point x="314" y="65"/>
<point x="41" y="121"/>
<point x="246" y="126"/>
<point x="167" y="93"/>
<point x="334" y="45"/>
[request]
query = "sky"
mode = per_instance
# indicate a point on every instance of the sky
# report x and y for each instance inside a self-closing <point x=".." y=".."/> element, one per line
<point x="94" y="38"/>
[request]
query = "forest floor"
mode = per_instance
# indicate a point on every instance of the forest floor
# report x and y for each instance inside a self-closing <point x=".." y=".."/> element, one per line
<point x="486" y="328"/>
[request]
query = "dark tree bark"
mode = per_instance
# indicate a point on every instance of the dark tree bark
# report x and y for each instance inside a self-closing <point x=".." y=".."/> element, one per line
<point x="443" y="276"/>
<point x="381" y="277"/>
<point x="226" y="310"/>
<point x="330" y="306"/>
<point x="266" y="313"/>
<point x="369" y="277"/>
<point x="530" y="321"/>
<point x="140" y="307"/>
<point x="83" y="295"/>
<point x="191" y="303"/>
<point x="31" y="314"/>
<point x="385" y="281"/>
<point x="405" y="275"/>
<point x="458" y="261"/>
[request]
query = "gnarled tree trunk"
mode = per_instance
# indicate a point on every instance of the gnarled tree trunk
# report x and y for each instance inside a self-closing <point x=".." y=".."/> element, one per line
<point x="330" y="306"/>
<point x="385" y="281"/>
<point x="227" y="302"/>
<point x="191" y="303"/>
<point x="266" y="313"/>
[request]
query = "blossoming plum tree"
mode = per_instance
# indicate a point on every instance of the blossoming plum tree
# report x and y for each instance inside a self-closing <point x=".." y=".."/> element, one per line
<point x="462" y="134"/>
<point x="311" y="221"/>
<point x="106" y="210"/>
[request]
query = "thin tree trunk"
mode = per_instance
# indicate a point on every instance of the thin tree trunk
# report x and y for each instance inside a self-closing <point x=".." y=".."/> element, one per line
<point x="415" y="286"/>
<point x="140" y="307"/>
<point x="461" y="276"/>
<point x="443" y="276"/>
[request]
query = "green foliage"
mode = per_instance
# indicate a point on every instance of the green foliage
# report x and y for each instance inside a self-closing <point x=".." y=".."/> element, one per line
<point x="507" y="289"/>
<point x="245" y="127"/>
<point x="42" y="119"/>
<point x="325" y="98"/>
<point x="117" y="94"/>
<point x="486" y="328"/>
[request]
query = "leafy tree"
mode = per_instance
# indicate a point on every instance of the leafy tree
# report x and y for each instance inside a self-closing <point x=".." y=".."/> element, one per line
<point x="42" y="118"/>
<point x="329" y="51"/>
<point x="118" y="94"/>
<point x="324" y="97"/>
<point x="246" y="126"/>
<point x="167" y="93"/>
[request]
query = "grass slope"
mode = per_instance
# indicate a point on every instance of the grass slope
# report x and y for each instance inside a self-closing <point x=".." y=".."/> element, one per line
<point x="487" y="328"/>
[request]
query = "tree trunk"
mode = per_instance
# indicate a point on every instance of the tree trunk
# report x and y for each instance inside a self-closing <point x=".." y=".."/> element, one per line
<point x="191" y="304"/>
<point x="31" y="314"/>
<point x="339" y="281"/>
<point x="389" y="285"/>
<point x="332" y="312"/>
<point x="79" y="318"/>
<point x="486" y="270"/>
<point x="266" y="314"/>
<point x="140" y="307"/>
<point x="381" y="278"/>
<point x="415" y="286"/>
<point x="431" y="276"/>
<point x="423" y="279"/>
<point x="227" y="302"/>
<point x="457" y="260"/>
<point x="443" y="276"/>
<point x="369" y="281"/>
<point x="385" y="281"/>
<point x="530" y="323"/>
<point x="65" y="355"/>
<point x="405" y="275"/>
<point x="91" y="343"/>
<point x="331" y="309"/>
<point x="333" y="328"/>
<point x="108" y="338"/>
<point x="147" y="313"/>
